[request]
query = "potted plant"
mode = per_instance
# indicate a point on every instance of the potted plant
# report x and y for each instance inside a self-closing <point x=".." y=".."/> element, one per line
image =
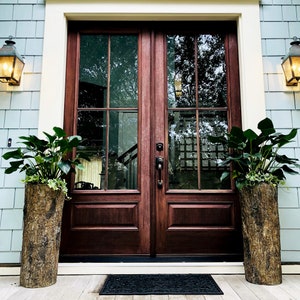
<point x="258" y="167"/>
<point x="45" y="162"/>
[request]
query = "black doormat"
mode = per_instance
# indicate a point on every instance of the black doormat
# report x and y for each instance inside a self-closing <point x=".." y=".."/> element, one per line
<point x="160" y="284"/>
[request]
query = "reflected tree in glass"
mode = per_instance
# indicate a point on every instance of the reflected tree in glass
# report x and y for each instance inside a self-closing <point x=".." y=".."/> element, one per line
<point x="212" y="84"/>
<point x="108" y="80"/>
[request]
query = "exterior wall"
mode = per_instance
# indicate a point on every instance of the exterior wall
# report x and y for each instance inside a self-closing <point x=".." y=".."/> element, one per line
<point x="280" y="20"/>
<point x="24" y="20"/>
<point x="19" y="110"/>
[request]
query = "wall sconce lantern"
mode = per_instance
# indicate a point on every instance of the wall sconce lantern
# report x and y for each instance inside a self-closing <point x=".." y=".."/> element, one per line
<point x="291" y="63"/>
<point x="11" y="64"/>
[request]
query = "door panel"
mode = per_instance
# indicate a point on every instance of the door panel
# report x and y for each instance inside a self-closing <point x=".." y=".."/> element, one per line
<point x="110" y="207"/>
<point x="144" y="97"/>
<point x="196" y="213"/>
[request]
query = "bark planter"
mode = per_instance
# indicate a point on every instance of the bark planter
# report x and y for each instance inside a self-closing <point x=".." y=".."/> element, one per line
<point x="261" y="234"/>
<point x="41" y="235"/>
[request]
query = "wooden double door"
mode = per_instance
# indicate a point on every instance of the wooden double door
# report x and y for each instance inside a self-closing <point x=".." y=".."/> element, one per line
<point x="145" y="96"/>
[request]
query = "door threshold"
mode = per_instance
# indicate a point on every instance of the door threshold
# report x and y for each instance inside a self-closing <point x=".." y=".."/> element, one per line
<point x="151" y="268"/>
<point x="149" y="259"/>
<point x="73" y="269"/>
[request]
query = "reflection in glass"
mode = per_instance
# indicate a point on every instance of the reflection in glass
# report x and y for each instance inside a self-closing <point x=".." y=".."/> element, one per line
<point x="107" y="88"/>
<point x="183" y="153"/>
<point x="181" y="70"/>
<point x="186" y="158"/>
<point x="212" y="86"/>
<point x="93" y="71"/>
<point x="91" y="126"/>
<point x="197" y="99"/>
<point x="210" y="77"/>
<point x="212" y="123"/>
<point x="123" y="64"/>
<point x="122" y="164"/>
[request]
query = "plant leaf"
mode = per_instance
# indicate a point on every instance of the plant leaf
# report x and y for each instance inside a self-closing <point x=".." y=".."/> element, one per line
<point x="74" y="140"/>
<point x="14" y="166"/>
<point x="16" y="154"/>
<point x="50" y="137"/>
<point x="283" y="159"/>
<point x="266" y="126"/>
<point x="224" y="176"/>
<point x="250" y="134"/>
<point x="289" y="170"/>
<point x="64" y="166"/>
<point x="59" y="132"/>
<point x="279" y="174"/>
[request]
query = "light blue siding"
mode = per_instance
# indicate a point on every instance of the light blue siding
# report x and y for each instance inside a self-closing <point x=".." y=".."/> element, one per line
<point x="19" y="112"/>
<point x="280" y="22"/>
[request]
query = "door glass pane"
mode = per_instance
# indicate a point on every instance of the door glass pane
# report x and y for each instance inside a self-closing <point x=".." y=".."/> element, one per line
<point x="107" y="88"/>
<point x="212" y="123"/>
<point x="212" y="86"/>
<point x="183" y="159"/>
<point x="123" y="80"/>
<point x="93" y="71"/>
<point x="197" y="102"/>
<point x="181" y="70"/>
<point x="91" y="126"/>
<point x="122" y="165"/>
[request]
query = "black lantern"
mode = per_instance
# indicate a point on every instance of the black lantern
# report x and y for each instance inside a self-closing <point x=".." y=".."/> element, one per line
<point x="11" y="64"/>
<point x="291" y="63"/>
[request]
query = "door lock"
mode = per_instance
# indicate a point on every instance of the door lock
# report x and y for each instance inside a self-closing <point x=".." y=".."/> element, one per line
<point x="159" y="163"/>
<point x="159" y="147"/>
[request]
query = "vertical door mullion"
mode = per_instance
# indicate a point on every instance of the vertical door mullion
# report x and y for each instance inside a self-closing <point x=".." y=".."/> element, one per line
<point x="107" y="111"/>
<point x="197" y="114"/>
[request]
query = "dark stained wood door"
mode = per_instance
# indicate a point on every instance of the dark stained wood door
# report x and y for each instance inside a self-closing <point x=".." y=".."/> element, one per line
<point x="145" y="96"/>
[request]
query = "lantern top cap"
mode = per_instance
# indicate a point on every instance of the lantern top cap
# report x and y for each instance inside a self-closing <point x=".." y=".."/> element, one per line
<point x="294" y="49"/>
<point x="9" y="42"/>
<point x="9" y="49"/>
<point x="296" y="41"/>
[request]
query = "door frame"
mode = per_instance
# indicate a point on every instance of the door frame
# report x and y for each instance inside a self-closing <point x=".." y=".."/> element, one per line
<point x="146" y="120"/>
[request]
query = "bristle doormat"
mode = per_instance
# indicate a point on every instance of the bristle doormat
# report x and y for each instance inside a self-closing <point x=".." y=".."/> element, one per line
<point x="160" y="284"/>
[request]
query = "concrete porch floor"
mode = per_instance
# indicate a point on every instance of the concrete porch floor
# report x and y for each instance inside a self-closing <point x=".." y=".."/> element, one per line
<point x="83" y="282"/>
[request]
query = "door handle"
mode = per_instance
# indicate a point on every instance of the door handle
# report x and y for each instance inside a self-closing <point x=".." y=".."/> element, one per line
<point x="159" y="163"/>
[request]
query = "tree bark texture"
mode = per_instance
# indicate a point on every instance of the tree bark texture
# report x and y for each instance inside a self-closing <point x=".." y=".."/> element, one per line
<point x="261" y="234"/>
<point x="41" y="235"/>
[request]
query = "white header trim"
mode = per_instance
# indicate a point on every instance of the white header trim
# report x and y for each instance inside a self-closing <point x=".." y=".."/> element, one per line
<point x="55" y="40"/>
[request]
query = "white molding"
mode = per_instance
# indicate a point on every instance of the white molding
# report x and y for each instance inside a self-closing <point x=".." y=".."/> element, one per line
<point x="55" y="37"/>
<point x="54" y="66"/>
<point x="149" y="268"/>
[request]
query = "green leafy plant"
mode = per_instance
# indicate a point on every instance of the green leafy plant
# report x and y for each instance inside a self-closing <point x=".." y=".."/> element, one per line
<point x="47" y="160"/>
<point x="255" y="158"/>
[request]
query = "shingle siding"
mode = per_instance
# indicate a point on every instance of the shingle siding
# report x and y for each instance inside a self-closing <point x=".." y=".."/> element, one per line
<point x="19" y="112"/>
<point x="279" y="23"/>
<point x="24" y="20"/>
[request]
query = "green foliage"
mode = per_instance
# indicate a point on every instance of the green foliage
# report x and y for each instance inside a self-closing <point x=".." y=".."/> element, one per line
<point x="47" y="160"/>
<point x="255" y="157"/>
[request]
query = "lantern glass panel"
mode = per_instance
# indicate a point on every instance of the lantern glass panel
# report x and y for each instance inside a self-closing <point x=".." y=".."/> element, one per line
<point x="18" y="70"/>
<point x="286" y="66"/>
<point x="295" y="60"/>
<point x="6" y="67"/>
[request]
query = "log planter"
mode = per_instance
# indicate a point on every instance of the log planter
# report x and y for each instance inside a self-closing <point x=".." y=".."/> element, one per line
<point x="261" y="234"/>
<point x="41" y="235"/>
